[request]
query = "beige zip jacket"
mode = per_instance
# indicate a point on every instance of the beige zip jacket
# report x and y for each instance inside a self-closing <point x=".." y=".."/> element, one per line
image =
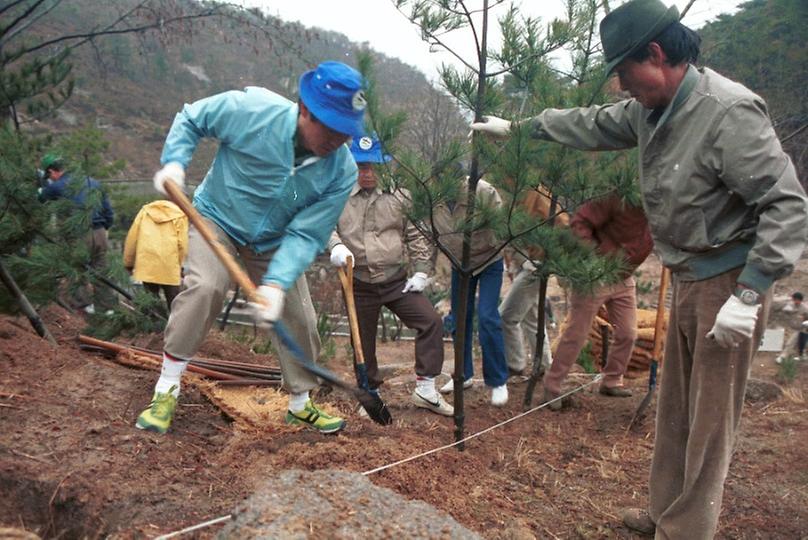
<point x="718" y="190"/>
<point x="485" y="249"/>
<point x="375" y="227"/>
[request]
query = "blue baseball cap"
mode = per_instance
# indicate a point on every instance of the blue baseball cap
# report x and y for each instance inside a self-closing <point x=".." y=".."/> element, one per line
<point x="368" y="150"/>
<point x="333" y="92"/>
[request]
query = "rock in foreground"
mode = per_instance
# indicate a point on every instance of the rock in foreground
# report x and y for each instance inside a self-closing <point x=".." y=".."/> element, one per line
<point x="336" y="504"/>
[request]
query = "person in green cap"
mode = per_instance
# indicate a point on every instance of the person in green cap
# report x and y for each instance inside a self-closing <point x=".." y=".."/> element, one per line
<point x="86" y="194"/>
<point x="728" y="217"/>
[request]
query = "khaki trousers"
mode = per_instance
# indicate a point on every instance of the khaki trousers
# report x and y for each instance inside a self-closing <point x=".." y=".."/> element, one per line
<point x="620" y="300"/>
<point x="520" y="320"/>
<point x="699" y="411"/>
<point x="792" y="346"/>
<point x="97" y="294"/>
<point x="205" y="284"/>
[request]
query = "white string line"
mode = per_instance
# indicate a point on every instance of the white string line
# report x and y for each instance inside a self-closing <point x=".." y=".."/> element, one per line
<point x="194" y="527"/>
<point x="486" y="430"/>
<point x="402" y="461"/>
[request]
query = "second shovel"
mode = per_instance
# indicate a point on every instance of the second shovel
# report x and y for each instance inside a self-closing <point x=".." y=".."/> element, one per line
<point x="346" y="279"/>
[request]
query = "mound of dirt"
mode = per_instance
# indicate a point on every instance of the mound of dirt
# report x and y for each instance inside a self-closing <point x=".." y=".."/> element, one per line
<point x="336" y="504"/>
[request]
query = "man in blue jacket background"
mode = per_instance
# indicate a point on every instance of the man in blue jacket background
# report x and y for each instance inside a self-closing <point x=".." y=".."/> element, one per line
<point x="88" y="195"/>
<point x="273" y="194"/>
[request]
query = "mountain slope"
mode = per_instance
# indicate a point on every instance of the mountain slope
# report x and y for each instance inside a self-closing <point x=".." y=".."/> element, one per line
<point x="132" y="86"/>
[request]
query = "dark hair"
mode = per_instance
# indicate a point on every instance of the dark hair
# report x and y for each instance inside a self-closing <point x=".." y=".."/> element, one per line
<point x="680" y="43"/>
<point x="797" y="296"/>
<point x="311" y="114"/>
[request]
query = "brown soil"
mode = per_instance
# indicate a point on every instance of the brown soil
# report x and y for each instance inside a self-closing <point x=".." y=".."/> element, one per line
<point x="73" y="465"/>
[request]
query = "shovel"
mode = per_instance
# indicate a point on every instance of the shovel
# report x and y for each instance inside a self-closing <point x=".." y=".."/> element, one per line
<point x="652" y="374"/>
<point x="346" y="278"/>
<point x="374" y="406"/>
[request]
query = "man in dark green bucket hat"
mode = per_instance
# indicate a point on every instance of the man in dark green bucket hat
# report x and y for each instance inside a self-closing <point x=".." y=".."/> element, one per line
<point x="728" y="217"/>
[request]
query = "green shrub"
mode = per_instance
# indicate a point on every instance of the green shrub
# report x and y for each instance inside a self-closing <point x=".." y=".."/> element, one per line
<point x="787" y="370"/>
<point x="586" y="359"/>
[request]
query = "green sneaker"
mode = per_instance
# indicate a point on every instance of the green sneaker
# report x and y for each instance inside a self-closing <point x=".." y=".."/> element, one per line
<point x="158" y="415"/>
<point x="314" y="418"/>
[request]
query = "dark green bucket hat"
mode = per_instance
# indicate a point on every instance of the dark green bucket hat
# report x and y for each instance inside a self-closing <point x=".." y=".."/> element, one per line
<point x="51" y="161"/>
<point x="632" y="26"/>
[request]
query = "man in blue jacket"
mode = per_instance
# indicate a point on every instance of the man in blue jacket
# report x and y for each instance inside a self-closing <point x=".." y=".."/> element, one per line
<point x="273" y="195"/>
<point x="87" y="194"/>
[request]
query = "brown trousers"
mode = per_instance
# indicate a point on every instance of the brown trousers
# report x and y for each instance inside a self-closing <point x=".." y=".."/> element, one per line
<point x="620" y="300"/>
<point x="414" y="309"/>
<point x="699" y="411"/>
<point x="169" y="291"/>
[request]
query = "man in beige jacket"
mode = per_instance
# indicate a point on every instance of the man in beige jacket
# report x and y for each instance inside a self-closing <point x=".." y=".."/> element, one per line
<point x="728" y="217"/>
<point x="375" y="232"/>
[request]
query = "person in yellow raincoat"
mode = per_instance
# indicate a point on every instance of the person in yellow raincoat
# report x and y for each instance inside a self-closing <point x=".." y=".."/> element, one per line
<point x="155" y="247"/>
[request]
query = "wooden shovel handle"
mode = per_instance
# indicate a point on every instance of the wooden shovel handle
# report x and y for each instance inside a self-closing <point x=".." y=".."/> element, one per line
<point x="236" y="272"/>
<point x="660" y="314"/>
<point x="345" y="274"/>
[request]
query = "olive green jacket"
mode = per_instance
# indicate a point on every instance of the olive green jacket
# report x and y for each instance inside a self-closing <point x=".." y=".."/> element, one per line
<point x="718" y="190"/>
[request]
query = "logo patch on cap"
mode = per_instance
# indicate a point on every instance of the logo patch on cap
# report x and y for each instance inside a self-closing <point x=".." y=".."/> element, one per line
<point x="365" y="143"/>
<point x="358" y="101"/>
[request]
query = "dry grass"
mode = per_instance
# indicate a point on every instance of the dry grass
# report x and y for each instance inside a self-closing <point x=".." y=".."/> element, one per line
<point x="794" y="395"/>
<point x="609" y="466"/>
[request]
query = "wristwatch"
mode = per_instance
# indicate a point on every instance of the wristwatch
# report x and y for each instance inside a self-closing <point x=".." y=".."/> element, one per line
<point x="749" y="297"/>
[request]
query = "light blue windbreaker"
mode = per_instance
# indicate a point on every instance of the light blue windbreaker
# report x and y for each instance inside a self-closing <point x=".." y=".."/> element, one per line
<point x="253" y="191"/>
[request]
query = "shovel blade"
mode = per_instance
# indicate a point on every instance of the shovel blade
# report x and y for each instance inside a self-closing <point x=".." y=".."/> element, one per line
<point x="375" y="407"/>
<point x="639" y="414"/>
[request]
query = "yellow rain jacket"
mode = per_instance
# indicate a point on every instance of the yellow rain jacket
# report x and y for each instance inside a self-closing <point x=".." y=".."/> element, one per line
<point x="157" y="243"/>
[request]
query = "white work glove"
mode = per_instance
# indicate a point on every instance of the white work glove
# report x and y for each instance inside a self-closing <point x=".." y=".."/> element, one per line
<point x="416" y="283"/>
<point x="528" y="266"/>
<point x="340" y="254"/>
<point x="170" y="171"/>
<point x="265" y="314"/>
<point x="804" y="326"/>
<point x="493" y="126"/>
<point x="735" y="321"/>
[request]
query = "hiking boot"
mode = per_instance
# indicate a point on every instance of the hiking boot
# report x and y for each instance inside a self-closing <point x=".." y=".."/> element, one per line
<point x="434" y="403"/>
<point x="614" y="391"/>
<point x="551" y="398"/>
<point x="499" y="395"/>
<point x="158" y="415"/>
<point x="638" y="520"/>
<point x="448" y="388"/>
<point x="315" y="418"/>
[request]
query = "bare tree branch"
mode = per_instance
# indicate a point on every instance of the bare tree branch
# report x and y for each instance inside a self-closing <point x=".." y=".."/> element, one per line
<point x="22" y="16"/>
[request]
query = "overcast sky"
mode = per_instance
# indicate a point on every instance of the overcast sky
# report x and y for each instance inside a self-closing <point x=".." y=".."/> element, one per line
<point x="389" y="32"/>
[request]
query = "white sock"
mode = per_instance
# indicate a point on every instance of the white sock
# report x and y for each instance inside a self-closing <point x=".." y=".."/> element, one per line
<point x="425" y="386"/>
<point x="297" y="402"/>
<point x="170" y="375"/>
